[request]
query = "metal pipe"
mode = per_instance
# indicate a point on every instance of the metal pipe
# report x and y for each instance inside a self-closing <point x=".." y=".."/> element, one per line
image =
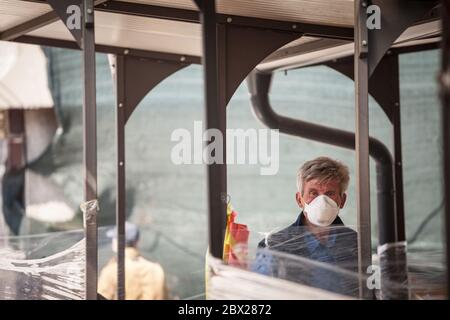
<point x="259" y="86"/>
<point x="120" y="178"/>
<point x="398" y="158"/>
<point x="362" y="184"/>
<point x="90" y="148"/>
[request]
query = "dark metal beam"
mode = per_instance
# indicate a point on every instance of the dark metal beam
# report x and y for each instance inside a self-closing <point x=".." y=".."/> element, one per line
<point x="416" y="48"/>
<point x="150" y="11"/>
<point x="313" y="30"/>
<point x="119" y="66"/>
<point x="16" y="159"/>
<point x="395" y="259"/>
<point x="362" y="147"/>
<point x="13" y="177"/>
<point x="28" y="26"/>
<point x="444" y="80"/>
<point x="136" y="53"/>
<point x="392" y="78"/>
<point x="90" y="148"/>
<point x="237" y="50"/>
<point x="215" y="119"/>
<point x="391" y="225"/>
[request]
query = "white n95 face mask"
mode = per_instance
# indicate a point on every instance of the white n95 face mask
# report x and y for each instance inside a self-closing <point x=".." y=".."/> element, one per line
<point x="322" y="211"/>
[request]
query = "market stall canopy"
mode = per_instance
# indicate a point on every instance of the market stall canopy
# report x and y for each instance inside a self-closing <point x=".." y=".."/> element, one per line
<point x="324" y="12"/>
<point x="308" y="51"/>
<point x="172" y="26"/>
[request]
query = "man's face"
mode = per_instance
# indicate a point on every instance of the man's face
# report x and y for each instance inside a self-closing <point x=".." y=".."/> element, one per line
<point x="312" y="189"/>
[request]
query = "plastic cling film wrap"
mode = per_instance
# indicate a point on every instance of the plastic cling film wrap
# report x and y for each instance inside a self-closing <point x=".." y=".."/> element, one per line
<point x="325" y="261"/>
<point x="40" y="268"/>
<point x="324" y="258"/>
<point x="393" y="267"/>
<point x="231" y="283"/>
<point x="89" y="209"/>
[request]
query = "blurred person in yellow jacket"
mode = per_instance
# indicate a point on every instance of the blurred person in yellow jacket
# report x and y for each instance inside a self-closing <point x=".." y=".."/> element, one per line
<point x="144" y="280"/>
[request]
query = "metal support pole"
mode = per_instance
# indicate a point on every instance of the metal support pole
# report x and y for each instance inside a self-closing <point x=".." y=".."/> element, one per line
<point x="384" y="88"/>
<point x="120" y="182"/>
<point x="13" y="180"/>
<point x="215" y="119"/>
<point x="445" y="98"/>
<point x="223" y="94"/>
<point x="392" y="246"/>
<point x="90" y="147"/>
<point x="398" y="165"/>
<point x="362" y="146"/>
<point x="134" y="78"/>
<point x="16" y="158"/>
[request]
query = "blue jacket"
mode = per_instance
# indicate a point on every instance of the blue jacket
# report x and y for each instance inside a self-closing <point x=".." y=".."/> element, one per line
<point x="338" y="247"/>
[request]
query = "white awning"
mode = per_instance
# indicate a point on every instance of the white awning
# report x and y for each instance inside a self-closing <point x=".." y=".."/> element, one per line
<point x="23" y="77"/>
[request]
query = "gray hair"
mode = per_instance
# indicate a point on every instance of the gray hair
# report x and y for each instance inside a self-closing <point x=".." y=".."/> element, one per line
<point x="325" y="169"/>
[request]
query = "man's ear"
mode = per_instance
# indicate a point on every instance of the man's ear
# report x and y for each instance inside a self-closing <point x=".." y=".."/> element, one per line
<point x="299" y="199"/>
<point x="343" y="199"/>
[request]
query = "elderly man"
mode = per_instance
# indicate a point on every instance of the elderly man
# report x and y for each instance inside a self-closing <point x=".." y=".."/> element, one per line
<point x="318" y="234"/>
<point x="144" y="280"/>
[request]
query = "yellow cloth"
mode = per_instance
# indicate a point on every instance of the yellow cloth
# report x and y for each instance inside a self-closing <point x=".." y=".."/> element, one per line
<point x="144" y="280"/>
<point x="229" y="241"/>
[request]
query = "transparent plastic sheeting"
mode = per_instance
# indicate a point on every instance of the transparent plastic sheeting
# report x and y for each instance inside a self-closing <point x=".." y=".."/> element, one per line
<point x="393" y="266"/>
<point x="322" y="262"/>
<point x="229" y="283"/>
<point x="47" y="266"/>
<point x="288" y="264"/>
<point x="426" y="274"/>
<point x="52" y="265"/>
<point x="43" y="267"/>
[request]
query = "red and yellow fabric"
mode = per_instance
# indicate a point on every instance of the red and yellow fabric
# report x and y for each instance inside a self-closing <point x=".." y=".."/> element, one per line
<point x="236" y="241"/>
<point x="234" y="248"/>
